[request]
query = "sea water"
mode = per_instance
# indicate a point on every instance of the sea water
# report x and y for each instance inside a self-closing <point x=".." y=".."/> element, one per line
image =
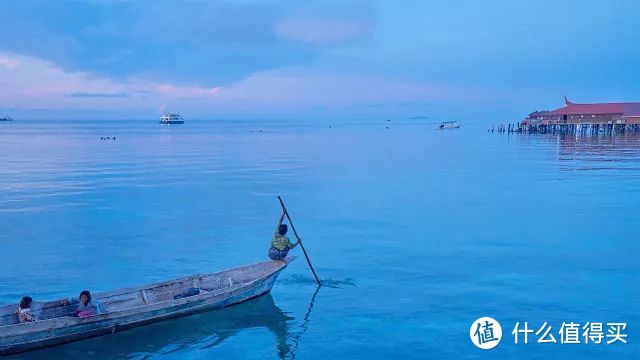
<point x="416" y="232"/>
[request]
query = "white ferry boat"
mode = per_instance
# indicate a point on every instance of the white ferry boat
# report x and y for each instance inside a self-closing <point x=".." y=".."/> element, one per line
<point x="171" y="119"/>
<point x="448" y="125"/>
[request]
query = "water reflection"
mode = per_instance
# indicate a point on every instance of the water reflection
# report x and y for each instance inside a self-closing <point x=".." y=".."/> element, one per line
<point x="197" y="332"/>
<point x="304" y="325"/>
<point x="588" y="153"/>
<point x="622" y="143"/>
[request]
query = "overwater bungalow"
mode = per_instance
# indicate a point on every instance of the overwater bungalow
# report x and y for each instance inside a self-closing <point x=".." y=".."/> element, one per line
<point x="598" y="117"/>
<point x="599" y="113"/>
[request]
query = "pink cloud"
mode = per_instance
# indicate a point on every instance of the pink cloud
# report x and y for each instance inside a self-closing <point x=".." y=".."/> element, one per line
<point x="322" y="31"/>
<point x="8" y="62"/>
<point x="38" y="83"/>
<point x="186" y="91"/>
<point x="301" y="88"/>
<point x="34" y="82"/>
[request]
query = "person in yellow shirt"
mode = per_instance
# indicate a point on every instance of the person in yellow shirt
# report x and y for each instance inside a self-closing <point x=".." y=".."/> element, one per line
<point x="280" y="244"/>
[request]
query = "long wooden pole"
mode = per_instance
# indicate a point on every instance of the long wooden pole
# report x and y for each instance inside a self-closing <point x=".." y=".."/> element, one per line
<point x="304" y="251"/>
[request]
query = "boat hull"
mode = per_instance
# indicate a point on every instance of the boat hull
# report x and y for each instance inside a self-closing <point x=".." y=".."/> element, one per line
<point x="172" y="122"/>
<point x="78" y="329"/>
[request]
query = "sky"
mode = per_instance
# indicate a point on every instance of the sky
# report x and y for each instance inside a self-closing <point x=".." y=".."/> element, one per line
<point x="489" y="60"/>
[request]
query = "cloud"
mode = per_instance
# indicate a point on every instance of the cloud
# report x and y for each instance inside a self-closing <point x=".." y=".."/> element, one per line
<point x="192" y="42"/>
<point x="8" y="62"/>
<point x="185" y="91"/>
<point x="316" y="31"/>
<point x="98" y="95"/>
<point x="304" y="88"/>
<point x="38" y="83"/>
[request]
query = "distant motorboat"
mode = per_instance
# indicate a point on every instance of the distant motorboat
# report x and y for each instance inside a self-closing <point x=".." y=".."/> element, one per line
<point x="448" y="125"/>
<point x="6" y="118"/>
<point x="171" y="119"/>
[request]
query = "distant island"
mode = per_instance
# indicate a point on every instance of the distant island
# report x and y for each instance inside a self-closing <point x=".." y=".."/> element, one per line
<point x="419" y="117"/>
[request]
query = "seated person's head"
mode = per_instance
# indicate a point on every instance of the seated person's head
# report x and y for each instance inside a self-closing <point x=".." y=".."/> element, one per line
<point x="85" y="297"/>
<point x="282" y="229"/>
<point x="25" y="302"/>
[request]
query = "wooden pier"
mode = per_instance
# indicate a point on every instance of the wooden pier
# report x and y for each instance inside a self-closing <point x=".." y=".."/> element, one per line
<point x="579" y="119"/>
<point x="578" y="129"/>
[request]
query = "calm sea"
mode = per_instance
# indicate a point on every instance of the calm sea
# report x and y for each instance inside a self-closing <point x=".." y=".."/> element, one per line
<point x="419" y="232"/>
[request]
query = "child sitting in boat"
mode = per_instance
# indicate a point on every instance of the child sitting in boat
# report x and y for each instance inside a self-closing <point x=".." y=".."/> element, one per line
<point x="24" y="310"/>
<point x="280" y="244"/>
<point x="86" y="307"/>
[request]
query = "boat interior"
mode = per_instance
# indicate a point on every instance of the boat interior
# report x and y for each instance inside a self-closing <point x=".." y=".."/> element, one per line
<point x="170" y="290"/>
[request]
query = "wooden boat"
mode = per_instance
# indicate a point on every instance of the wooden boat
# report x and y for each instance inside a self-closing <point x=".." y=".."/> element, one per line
<point x="136" y="306"/>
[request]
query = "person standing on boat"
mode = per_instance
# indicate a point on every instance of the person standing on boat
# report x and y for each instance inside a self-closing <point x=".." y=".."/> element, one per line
<point x="280" y="244"/>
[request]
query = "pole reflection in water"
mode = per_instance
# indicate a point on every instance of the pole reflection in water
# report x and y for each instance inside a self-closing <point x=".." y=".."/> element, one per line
<point x="304" y="325"/>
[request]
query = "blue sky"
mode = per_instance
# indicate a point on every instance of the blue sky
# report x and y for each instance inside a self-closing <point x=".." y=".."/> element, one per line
<point x="456" y="59"/>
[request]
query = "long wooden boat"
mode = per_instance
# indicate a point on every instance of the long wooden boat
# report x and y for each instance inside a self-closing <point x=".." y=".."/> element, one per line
<point x="136" y="306"/>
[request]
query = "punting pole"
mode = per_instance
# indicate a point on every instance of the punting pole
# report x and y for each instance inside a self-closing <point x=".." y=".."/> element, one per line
<point x="300" y="240"/>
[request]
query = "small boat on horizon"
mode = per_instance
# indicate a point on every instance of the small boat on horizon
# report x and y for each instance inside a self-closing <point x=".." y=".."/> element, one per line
<point x="136" y="306"/>
<point x="170" y="118"/>
<point x="6" y="118"/>
<point x="448" y="125"/>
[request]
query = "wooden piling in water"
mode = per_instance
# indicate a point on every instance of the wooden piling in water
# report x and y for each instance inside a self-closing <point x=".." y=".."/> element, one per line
<point x="577" y="128"/>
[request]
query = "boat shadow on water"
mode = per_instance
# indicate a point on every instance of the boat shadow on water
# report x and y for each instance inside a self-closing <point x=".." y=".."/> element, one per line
<point x="197" y="332"/>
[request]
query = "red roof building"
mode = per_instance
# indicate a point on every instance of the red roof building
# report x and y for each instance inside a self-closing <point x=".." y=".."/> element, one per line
<point x="604" y="113"/>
